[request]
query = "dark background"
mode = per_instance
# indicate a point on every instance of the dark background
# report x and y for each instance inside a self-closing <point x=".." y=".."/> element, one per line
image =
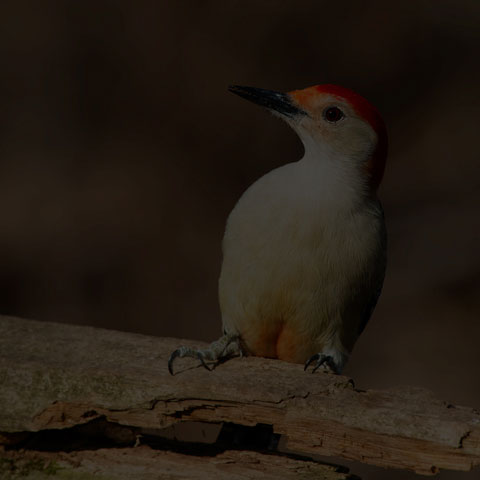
<point x="122" y="153"/>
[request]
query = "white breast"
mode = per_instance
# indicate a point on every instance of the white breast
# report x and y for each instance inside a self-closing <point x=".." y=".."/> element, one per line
<point x="296" y="244"/>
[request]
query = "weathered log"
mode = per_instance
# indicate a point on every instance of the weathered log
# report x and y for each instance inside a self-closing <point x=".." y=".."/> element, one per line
<point x="146" y="464"/>
<point x="55" y="376"/>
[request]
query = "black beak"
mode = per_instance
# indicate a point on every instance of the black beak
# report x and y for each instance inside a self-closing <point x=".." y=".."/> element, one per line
<point x="277" y="101"/>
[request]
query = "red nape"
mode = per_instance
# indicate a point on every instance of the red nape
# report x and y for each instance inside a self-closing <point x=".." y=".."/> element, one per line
<point x="370" y="114"/>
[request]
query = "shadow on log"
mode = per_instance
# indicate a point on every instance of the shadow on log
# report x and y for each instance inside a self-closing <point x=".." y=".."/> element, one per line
<point x="96" y="401"/>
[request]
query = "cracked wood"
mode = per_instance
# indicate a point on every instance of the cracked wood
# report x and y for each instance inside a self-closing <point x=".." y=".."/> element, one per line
<point x="147" y="464"/>
<point x="56" y="376"/>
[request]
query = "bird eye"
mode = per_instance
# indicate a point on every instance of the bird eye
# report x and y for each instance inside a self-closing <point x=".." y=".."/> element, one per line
<point x="333" y="114"/>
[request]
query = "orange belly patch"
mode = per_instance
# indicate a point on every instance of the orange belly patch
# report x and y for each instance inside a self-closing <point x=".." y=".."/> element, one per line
<point x="290" y="346"/>
<point x="281" y="342"/>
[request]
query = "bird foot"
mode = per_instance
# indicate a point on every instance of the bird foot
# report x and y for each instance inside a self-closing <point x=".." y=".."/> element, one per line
<point x="225" y="347"/>
<point x="323" y="360"/>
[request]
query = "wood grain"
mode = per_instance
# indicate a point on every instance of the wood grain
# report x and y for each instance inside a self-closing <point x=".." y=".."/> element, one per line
<point x="55" y="376"/>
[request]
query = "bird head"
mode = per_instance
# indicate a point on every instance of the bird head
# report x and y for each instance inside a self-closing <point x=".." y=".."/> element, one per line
<point x="334" y="123"/>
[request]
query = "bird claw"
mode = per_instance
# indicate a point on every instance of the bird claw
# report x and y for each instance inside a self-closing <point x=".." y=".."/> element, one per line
<point x="186" y="352"/>
<point x="322" y="359"/>
<point x="201" y="357"/>
<point x="225" y="347"/>
<point x="173" y="356"/>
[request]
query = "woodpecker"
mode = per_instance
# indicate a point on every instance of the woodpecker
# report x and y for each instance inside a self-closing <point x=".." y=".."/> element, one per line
<point x="304" y="251"/>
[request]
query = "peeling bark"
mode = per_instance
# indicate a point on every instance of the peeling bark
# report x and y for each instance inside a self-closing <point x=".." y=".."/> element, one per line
<point x="57" y="376"/>
<point x="147" y="464"/>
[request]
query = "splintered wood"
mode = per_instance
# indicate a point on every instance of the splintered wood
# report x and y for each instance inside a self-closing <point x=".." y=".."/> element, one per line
<point x="147" y="464"/>
<point x="56" y="376"/>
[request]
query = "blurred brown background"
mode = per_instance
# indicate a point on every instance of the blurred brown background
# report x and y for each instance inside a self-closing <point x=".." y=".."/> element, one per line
<point x="122" y="153"/>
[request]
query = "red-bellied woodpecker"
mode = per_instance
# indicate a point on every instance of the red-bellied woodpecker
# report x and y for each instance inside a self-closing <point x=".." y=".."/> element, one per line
<point x="304" y="251"/>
